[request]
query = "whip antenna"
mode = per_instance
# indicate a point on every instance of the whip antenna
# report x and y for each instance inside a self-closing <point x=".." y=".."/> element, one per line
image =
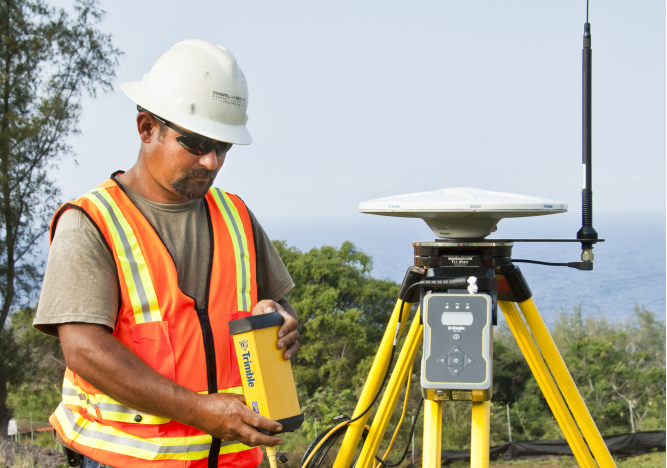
<point x="587" y="234"/>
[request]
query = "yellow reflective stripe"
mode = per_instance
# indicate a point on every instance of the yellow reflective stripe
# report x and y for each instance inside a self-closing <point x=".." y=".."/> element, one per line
<point x="109" y="408"/>
<point x="120" y="413"/>
<point x="135" y="270"/>
<point x="240" y="243"/>
<point x="97" y="436"/>
<point x="238" y="390"/>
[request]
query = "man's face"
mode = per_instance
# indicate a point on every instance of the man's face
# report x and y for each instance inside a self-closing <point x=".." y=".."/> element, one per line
<point x="177" y="170"/>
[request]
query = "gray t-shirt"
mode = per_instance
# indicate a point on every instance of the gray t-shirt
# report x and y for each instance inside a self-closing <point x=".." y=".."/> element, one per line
<point x="81" y="282"/>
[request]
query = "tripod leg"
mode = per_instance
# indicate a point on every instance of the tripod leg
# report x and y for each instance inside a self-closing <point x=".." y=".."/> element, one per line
<point x="565" y="383"/>
<point x="372" y="385"/>
<point x="480" y="443"/>
<point x="432" y="448"/>
<point x="391" y="394"/>
<point x="547" y="384"/>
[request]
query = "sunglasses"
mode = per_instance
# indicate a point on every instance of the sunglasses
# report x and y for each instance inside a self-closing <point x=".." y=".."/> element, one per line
<point x="194" y="143"/>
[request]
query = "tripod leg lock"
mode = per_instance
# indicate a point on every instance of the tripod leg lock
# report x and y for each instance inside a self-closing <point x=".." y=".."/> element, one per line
<point x="517" y="283"/>
<point x="414" y="275"/>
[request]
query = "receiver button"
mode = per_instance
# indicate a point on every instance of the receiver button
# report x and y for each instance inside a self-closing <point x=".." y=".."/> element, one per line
<point x="455" y="360"/>
<point x="455" y="370"/>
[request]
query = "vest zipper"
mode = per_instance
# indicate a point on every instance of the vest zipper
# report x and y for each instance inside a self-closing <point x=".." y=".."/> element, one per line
<point x="207" y="334"/>
<point x="209" y="351"/>
<point x="211" y="375"/>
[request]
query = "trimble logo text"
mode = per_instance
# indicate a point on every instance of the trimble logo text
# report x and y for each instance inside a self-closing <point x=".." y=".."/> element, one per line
<point x="249" y="375"/>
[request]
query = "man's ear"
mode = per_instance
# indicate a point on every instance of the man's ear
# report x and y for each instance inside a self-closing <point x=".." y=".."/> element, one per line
<point x="147" y="127"/>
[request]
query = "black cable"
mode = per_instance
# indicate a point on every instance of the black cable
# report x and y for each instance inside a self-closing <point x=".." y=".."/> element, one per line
<point x="539" y="263"/>
<point x="407" y="447"/>
<point x="322" y="452"/>
<point x="314" y="443"/>
<point x="325" y="449"/>
<point x="577" y="265"/>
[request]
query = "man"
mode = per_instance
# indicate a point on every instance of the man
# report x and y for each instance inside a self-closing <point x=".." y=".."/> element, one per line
<point x="144" y="273"/>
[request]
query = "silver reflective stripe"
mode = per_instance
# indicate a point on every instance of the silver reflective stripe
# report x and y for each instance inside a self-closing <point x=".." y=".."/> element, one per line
<point x="139" y="444"/>
<point x="141" y="292"/>
<point x="239" y="241"/>
<point x="119" y="409"/>
<point x="82" y="396"/>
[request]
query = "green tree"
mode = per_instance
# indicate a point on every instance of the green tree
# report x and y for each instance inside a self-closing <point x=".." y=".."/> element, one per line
<point x="510" y="369"/>
<point x="616" y="364"/>
<point x="48" y="61"/>
<point x="342" y="313"/>
<point x="38" y="387"/>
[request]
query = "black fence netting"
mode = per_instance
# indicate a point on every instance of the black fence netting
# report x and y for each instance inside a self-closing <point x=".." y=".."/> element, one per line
<point x="621" y="446"/>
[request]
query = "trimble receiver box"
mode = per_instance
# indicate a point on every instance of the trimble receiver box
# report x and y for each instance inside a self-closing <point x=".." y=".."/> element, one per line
<point x="268" y="383"/>
<point x="458" y="347"/>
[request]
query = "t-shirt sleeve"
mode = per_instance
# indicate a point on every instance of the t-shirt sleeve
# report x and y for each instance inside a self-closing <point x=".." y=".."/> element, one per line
<point x="273" y="279"/>
<point x="80" y="282"/>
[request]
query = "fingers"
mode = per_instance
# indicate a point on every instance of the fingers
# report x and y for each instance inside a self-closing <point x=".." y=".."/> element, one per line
<point x="288" y="339"/>
<point x="248" y="435"/>
<point x="289" y="342"/>
<point x="260" y="422"/>
<point x="290" y="324"/>
<point x="291" y="350"/>
<point x="255" y="421"/>
<point x="288" y="333"/>
<point x="225" y="415"/>
<point x="265" y="307"/>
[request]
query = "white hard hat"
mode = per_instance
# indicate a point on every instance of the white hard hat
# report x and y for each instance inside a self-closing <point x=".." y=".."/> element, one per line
<point x="198" y="86"/>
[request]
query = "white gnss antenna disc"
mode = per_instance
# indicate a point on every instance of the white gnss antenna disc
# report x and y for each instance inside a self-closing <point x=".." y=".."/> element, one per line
<point x="462" y="212"/>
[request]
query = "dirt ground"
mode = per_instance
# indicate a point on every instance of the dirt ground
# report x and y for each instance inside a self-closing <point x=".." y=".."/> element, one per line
<point x="528" y="466"/>
<point x="13" y="455"/>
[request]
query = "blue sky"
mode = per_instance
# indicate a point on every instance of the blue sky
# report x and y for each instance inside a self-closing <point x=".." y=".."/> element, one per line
<point x="351" y="101"/>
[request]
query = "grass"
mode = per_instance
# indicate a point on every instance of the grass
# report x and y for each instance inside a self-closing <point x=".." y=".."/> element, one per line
<point x="20" y="462"/>
<point x="649" y="460"/>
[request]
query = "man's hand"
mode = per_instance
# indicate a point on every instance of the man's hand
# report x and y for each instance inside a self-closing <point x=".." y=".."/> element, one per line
<point x="107" y="364"/>
<point x="239" y="422"/>
<point x="288" y="333"/>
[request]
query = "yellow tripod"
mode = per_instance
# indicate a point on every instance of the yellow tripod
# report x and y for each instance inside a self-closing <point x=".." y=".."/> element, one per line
<point x="534" y="339"/>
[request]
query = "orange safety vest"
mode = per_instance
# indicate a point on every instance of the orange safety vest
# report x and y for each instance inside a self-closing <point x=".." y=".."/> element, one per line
<point x="186" y="342"/>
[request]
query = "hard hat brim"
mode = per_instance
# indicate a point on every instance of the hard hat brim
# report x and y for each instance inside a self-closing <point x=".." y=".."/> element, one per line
<point x="137" y="92"/>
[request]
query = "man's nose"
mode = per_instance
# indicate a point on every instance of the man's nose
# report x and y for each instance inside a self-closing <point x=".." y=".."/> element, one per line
<point x="209" y="160"/>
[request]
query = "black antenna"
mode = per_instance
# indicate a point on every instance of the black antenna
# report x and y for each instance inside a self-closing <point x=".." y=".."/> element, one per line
<point x="587" y="234"/>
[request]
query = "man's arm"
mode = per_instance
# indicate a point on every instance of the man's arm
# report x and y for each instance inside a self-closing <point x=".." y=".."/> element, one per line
<point x="103" y="361"/>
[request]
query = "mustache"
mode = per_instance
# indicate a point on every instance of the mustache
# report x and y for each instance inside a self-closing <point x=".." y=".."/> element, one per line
<point x="200" y="174"/>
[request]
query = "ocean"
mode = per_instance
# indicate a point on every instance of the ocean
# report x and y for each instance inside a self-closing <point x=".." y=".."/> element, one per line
<point x="629" y="267"/>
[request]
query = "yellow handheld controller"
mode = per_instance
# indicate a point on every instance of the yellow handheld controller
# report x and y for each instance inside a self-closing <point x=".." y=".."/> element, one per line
<point x="268" y="382"/>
